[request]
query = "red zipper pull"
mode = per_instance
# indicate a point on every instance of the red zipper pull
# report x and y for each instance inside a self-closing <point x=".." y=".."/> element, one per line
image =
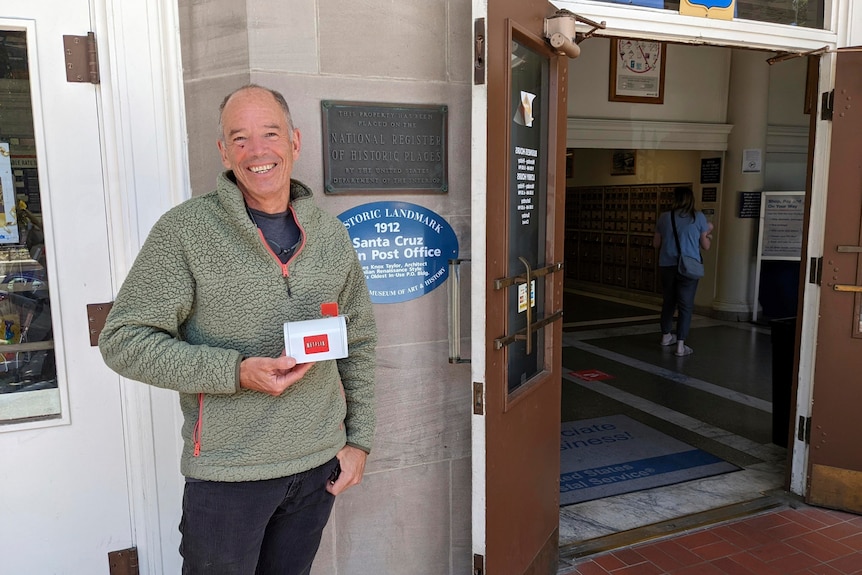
<point x="329" y="309"/>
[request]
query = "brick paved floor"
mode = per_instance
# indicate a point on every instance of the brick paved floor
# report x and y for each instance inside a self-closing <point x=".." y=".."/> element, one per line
<point x="801" y="540"/>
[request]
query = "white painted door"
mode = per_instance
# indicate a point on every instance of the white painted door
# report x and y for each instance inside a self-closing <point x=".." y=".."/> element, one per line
<point x="64" y="498"/>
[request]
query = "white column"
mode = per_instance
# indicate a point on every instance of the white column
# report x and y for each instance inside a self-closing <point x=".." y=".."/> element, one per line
<point x="747" y="108"/>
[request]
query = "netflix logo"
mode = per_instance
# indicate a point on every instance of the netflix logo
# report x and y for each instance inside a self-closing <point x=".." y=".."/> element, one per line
<point x="315" y="339"/>
<point x="316" y="343"/>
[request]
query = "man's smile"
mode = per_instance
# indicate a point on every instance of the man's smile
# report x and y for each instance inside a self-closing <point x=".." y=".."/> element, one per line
<point x="261" y="169"/>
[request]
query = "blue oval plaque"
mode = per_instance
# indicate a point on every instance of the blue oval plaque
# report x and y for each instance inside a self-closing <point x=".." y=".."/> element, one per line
<point x="404" y="248"/>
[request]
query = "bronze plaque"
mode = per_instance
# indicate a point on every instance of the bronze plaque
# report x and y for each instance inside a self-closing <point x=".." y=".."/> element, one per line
<point x="371" y="147"/>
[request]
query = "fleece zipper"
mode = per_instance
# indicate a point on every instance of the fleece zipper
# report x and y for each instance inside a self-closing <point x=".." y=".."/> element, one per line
<point x="284" y="266"/>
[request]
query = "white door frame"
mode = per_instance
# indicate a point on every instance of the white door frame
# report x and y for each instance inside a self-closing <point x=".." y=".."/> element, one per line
<point x="478" y="234"/>
<point x="146" y="173"/>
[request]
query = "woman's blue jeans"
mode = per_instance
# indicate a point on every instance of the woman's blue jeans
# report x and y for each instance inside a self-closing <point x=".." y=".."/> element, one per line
<point x="255" y="527"/>
<point x="677" y="295"/>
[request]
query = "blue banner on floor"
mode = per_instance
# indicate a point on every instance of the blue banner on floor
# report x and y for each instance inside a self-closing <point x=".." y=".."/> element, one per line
<point x="612" y="455"/>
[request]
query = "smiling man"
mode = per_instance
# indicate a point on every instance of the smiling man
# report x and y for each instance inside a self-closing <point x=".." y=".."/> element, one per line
<point x="267" y="443"/>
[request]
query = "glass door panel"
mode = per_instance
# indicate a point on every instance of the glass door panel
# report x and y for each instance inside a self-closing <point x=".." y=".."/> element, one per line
<point x="28" y="374"/>
<point x="527" y="209"/>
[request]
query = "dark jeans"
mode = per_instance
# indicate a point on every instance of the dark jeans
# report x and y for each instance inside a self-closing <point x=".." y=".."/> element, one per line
<point x="677" y="294"/>
<point x="255" y="527"/>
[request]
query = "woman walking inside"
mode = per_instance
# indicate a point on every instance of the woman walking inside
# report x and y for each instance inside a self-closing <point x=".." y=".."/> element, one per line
<point x="679" y="233"/>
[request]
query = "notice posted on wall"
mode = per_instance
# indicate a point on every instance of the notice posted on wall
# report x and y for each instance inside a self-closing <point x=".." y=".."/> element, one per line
<point x="404" y="248"/>
<point x="525" y="175"/>
<point x="781" y="225"/>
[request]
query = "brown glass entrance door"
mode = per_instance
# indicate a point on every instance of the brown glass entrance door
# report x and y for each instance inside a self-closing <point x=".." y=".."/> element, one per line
<point x="835" y="459"/>
<point x="517" y="422"/>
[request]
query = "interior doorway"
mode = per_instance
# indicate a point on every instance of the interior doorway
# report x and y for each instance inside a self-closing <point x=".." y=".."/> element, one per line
<point x="720" y="400"/>
<point x="717" y="401"/>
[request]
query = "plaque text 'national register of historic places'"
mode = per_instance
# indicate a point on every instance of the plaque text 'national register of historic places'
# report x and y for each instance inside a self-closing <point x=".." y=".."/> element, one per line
<point x="371" y="147"/>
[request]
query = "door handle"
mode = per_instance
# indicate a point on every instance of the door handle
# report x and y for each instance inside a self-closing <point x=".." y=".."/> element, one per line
<point x="527" y="278"/>
<point x="522" y="334"/>
<point x="849" y="249"/>
<point x="536" y="273"/>
<point x="455" y="311"/>
<point x="845" y="287"/>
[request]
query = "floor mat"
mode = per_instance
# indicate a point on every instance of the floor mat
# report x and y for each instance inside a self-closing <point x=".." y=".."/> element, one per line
<point x="611" y="455"/>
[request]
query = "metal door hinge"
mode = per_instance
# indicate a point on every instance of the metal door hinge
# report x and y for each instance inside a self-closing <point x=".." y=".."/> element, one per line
<point x="815" y="271"/>
<point x="827" y="105"/>
<point x="803" y="431"/>
<point x="123" y="562"/>
<point x="478" y="564"/>
<point x="479" y="51"/>
<point x="82" y="58"/>
<point x="97" y="313"/>
<point x="478" y="398"/>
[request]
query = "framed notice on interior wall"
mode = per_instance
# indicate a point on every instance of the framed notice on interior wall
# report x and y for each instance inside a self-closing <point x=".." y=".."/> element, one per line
<point x="624" y="163"/>
<point x="637" y="71"/>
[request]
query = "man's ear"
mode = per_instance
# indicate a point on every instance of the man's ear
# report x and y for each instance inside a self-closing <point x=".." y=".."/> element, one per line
<point x="297" y="143"/>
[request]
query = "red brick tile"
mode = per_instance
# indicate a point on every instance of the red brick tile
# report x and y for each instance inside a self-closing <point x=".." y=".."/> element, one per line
<point x="678" y="552"/>
<point x="820" y="547"/>
<point x="754" y="564"/>
<point x="704" y="569"/>
<point x="793" y="563"/>
<point x="822" y="570"/>
<point x="841" y="530"/>
<point x="826" y="516"/>
<point x="735" y="537"/>
<point x="853" y="541"/>
<point x="641" y="569"/>
<point x="590" y="568"/>
<point x="788" y="530"/>
<point x="715" y="550"/>
<point x="767" y="520"/>
<point x="659" y="558"/>
<point x="609" y="562"/>
<point x="849" y="564"/>
<point x="804" y="541"/>
<point x="772" y="551"/>
<point x="751" y="533"/>
<point x="731" y="567"/>
<point x="813" y="520"/>
<point x="631" y="557"/>
<point x="698" y="539"/>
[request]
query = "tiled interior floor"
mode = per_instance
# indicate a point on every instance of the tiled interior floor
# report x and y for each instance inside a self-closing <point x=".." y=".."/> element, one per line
<point x="789" y="541"/>
<point x="719" y="399"/>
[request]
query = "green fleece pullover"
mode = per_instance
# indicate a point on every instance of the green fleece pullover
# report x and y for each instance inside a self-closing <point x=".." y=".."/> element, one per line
<point x="204" y="292"/>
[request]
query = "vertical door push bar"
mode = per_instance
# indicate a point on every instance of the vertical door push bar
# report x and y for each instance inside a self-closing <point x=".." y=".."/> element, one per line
<point x="455" y="311"/>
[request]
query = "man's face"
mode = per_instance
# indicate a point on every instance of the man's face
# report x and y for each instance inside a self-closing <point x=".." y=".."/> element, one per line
<point x="259" y="148"/>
